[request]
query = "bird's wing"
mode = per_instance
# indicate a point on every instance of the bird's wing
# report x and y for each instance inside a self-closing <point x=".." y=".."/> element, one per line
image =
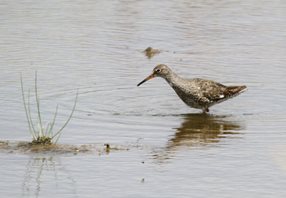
<point x="211" y="91"/>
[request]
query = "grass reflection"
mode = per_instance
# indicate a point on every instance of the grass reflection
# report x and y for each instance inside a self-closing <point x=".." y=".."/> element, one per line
<point x="40" y="171"/>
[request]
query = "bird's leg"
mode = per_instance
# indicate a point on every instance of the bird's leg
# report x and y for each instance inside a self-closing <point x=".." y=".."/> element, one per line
<point x="206" y="110"/>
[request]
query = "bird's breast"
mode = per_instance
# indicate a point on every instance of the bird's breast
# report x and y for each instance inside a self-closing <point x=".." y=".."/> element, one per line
<point x="188" y="97"/>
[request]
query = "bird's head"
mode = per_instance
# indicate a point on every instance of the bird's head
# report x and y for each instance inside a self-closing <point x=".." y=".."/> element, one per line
<point x="159" y="71"/>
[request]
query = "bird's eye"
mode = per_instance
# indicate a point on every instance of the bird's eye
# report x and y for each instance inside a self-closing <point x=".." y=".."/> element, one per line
<point x="158" y="70"/>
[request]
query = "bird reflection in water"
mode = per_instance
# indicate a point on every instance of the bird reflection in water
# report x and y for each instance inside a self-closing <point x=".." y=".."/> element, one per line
<point x="199" y="130"/>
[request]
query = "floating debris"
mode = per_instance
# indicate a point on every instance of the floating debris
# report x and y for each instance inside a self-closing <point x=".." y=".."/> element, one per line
<point x="150" y="52"/>
<point x="107" y="148"/>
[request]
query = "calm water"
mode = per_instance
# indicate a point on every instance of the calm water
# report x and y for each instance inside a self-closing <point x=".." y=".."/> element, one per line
<point x="239" y="150"/>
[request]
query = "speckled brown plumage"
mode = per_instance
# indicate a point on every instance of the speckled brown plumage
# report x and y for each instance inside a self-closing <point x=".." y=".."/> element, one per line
<point x="196" y="93"/>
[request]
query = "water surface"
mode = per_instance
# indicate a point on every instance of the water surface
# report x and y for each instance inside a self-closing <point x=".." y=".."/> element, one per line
<point x="96" y="47"/>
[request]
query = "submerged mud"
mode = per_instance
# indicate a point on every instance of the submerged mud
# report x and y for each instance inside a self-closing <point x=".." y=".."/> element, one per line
<point x="28" y="147"/>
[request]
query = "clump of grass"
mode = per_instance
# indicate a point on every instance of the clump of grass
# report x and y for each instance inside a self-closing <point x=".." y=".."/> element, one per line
<point x="42" y="135"/>
<point x="42" y="140"/>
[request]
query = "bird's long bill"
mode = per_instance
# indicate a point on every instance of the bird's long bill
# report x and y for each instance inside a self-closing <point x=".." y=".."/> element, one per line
<point x="148" y="78"/>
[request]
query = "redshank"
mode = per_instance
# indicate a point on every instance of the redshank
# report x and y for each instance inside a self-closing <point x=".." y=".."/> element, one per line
<point x="197" y="93"/>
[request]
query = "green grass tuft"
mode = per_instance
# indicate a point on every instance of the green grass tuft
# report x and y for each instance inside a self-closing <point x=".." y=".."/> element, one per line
<point x="42" y="140"/>
<point x="42" y="135"/>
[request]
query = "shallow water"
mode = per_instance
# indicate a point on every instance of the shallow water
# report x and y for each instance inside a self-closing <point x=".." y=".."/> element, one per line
<point x="96" y="47"/>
